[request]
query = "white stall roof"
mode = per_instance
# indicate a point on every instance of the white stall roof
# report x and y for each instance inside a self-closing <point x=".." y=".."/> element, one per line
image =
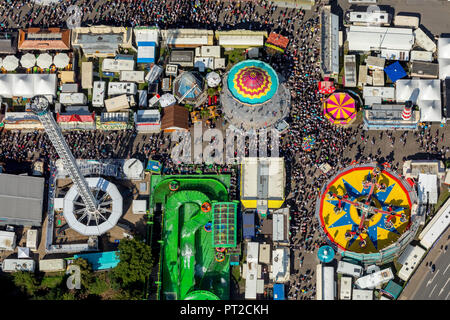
<point x="32" y="236"/>
<point x="52" y="265"/>
<point x="132" y="76"/>
<point x="359" y="294"/>
<point x="72" y="98"/>
<point x="117" y="65"/>
<point x="427" y="188"/>
<point x="278" y="227"/>
<point x="436" y="226"/>
<point x="7" y="240"/>
<point x="423" y="41"/>
<point x="23" y="252"/>
<point x="27" y="85"/>
<point x="139" y="206"/>
<point x="251" y="275"/>
<point x="12" y="265"/>
<point x="425" y="56"/>
<point x="98" y="93"/>
<point x="375" y="279"/>
<point x="241" y="40"/>
<point x="376" y="38"/>
<point x="117" y="103"/>
<point x="444" y="57"/>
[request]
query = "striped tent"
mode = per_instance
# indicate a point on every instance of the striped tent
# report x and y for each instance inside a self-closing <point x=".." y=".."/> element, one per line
<point x="340" y="108"/>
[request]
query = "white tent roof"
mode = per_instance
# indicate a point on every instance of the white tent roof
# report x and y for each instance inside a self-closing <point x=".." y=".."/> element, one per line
<point x="430" y="111"/>
<point x="28" y="60"/>
<point x="6" y="86"/>
<point x="10" y="63"/>
<point x="23" y="252"/>
<point x="44" y="61"/>
<point x="427" y="188"/>
<point x="444" y="68"/>
<point x="213" y="79"/>
<point x="45" y="84"/>
<point x="425" y="93"/>
<point x="25" y="84"/>
<point x="167" y="100"/>
<point x="61" y="60"/>
<point x="376" y="38"/>
<point x="444" y="48"/>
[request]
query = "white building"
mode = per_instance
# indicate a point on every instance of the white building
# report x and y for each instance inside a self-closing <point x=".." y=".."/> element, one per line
<point x="52" y="265"/>
<point x="423" y="41"/>
<point x="28" y="85"/>
<point x="325" y="284"/>
<point x="444" y="58"/>
<point x="72" y="98"/>
<point x="132" y="76"/>
<point x="187" y="37"/>
<point x="350" y="76"/>
<point x="359" y="294"/>
<point x="7" y="240"/>
<point x="32" y="238"/>
<point x="425" y="56"/>
<point x="374" y="280"/>
<point x="427" y="188"/>
<point x="13" y="265"/>
<point x="98" y="93"/>
<point x="349" y="269"/>
<point x="117" y="103"/>
<point x="329" y="46"/>
<point x="147" y="121"/>
<point x="366" y="39"/>
<point x="378" y="95"/>
<point x="116" y="88"/>
<point x="117" y="65"/>
<point x="147" y="39"/>
<point x="426" y="93"/>
<point x="251" y="268"/>
<point x="345" y="292"/>
<point x="409" y="260"/>
<point x="139" y="206"/>
<point x="436" y="226"/>
<point x="280" y="265"/>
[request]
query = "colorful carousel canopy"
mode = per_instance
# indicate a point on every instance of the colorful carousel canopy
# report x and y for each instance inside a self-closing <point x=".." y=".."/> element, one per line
<point x="252" y="82"/>
<point x="340" y="108"/>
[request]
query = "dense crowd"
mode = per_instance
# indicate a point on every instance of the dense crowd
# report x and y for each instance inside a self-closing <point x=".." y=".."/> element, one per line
<point x="299" y="66"/>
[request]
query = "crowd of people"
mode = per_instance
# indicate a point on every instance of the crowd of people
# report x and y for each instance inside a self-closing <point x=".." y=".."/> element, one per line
<point x="299" y="66"/>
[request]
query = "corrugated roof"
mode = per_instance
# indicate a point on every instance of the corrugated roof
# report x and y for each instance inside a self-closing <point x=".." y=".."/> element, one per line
<point x="21" y="198"/>
<point x="175" y="117"/>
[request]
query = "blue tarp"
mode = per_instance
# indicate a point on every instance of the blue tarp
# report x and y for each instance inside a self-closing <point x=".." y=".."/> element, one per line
<point x="100" y="260"/>
<point x="395" y="71"/>
<point x="248" y="225"/>
<point x="278" y="291"/>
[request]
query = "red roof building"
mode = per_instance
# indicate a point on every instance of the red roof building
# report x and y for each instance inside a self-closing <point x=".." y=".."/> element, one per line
<point x="44" y="39"/>
<point x="277" y="41"/>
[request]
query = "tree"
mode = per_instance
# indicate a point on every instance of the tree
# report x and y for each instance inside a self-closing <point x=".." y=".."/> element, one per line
<point x="135" y="262"/>
<point x="26" y="281"/>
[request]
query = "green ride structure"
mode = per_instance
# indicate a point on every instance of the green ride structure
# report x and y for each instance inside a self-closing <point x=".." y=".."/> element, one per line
<point x="195" y="213"/>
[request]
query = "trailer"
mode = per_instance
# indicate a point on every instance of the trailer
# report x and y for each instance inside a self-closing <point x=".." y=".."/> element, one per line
<point x="52" y="265"/>
<point x="406" y="21"/>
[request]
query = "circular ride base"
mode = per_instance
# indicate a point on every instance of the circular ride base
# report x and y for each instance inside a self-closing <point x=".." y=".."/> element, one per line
<point x="342" y="226"/>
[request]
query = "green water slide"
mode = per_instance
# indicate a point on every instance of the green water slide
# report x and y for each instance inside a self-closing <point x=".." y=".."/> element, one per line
<point x="180" y="248"/>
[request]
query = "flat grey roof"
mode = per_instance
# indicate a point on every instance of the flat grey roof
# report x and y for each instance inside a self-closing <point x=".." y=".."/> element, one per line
<point x="21" y="198"/>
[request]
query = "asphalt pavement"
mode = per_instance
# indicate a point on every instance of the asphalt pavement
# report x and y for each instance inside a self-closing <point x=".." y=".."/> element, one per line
<point x="427" y="285"/>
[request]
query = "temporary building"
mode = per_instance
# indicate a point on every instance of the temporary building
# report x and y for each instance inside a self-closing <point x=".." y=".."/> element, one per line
<point x="98" y="93"/>
<point x="116" y="88"/>
<point x="425" y="56"/>
<point x="241" y="38"/>
<point x="167" y="100"/>
<point x="187" y="37"/>
<point x="13" y="265"/>
<point x="175" y="118"/>
<point x="213" y="79"/>
<point x="72" y="98"/>
<point x="147" y="121"/>
<point x="280" y="265"/>
<point x="52" y="265"/>
<point x="44" y="61"/>
<point x="7" y="240"/>
<point x="32" y="237"/>
<point x="61" y="60"/>
<point x="132" y="76"/>
<point x="10" y="63"/>
<point x="410" y="259"/>
<point x="86" y="75"/>
<point x="147" y="39"/>
<point x="248" y="225"/>
<point x="444" y="57"/>
<point x="117" y="103"/>
<point x="23" y="252"/>
<point x="395" y="71"/>
<point x="27" y="85"/>
<point x="362" y="38"/>
<point x="262" y="182"/>
<point x="117" y="65"/>
<point x="427" y="188"/>
<point x="424" y="93"/>
<point x="28" y="60"/>
<point x="375" y="279"/>
<point x="423" y="41"/>
<point x="77" y="117"/>
<point x="139" y="206"/>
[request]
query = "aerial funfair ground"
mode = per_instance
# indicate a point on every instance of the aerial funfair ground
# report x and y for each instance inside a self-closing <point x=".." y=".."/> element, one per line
<point x="365" y="208"/>
<point x="199" y="225"/>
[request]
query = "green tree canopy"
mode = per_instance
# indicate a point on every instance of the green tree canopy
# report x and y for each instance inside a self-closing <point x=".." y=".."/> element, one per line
<point x="135" y="262"/>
